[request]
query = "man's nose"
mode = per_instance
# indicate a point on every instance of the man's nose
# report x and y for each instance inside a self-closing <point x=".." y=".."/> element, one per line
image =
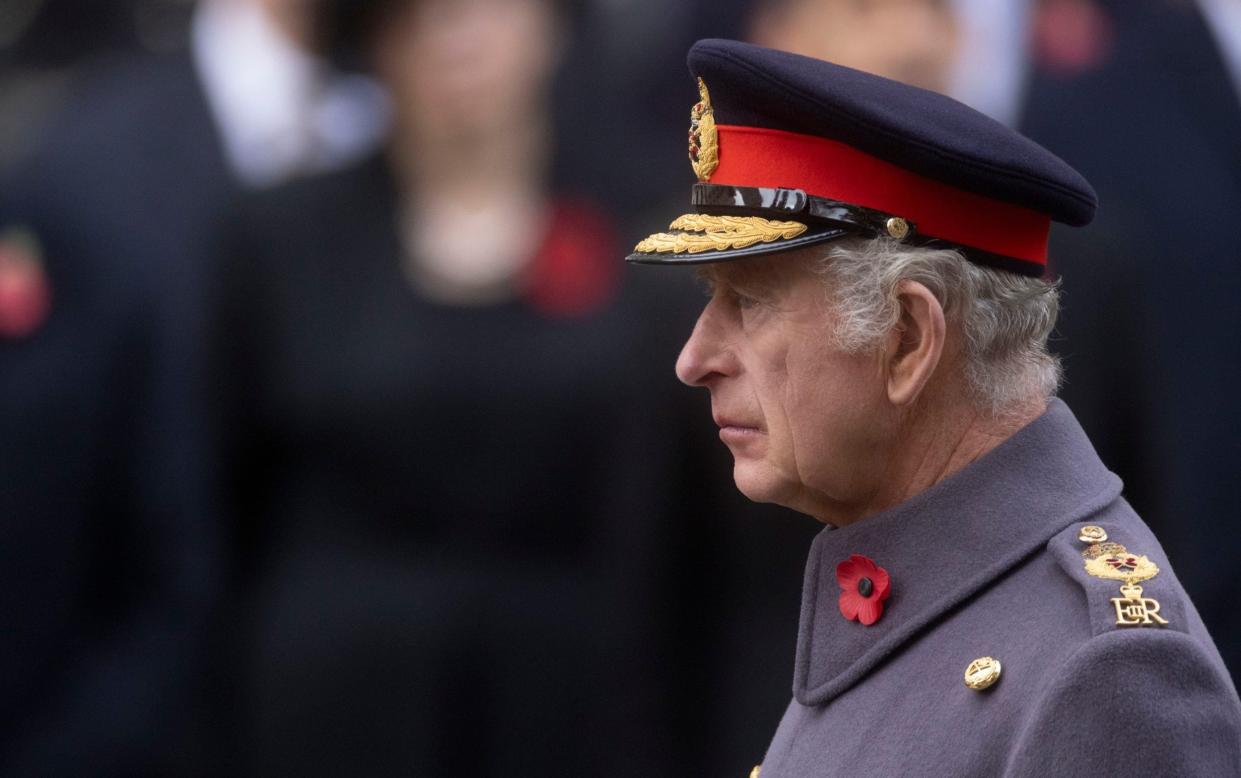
<point x="703" y="356"/>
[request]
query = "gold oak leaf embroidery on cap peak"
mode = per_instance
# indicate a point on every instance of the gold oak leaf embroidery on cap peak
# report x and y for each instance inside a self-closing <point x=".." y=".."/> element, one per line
<point x="701" y="232"/>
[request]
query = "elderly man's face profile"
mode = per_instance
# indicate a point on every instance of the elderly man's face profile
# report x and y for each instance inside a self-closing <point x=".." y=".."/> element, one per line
<point x="805" y="421"/>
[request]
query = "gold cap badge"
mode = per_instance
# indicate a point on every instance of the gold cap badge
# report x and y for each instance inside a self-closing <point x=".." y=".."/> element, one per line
<point x="704" y="139"/>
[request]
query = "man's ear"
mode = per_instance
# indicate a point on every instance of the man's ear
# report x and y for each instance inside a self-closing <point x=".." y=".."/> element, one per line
<point x="914" y="347"/>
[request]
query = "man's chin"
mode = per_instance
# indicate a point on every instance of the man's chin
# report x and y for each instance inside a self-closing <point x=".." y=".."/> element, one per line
<point x="756" y="481"/>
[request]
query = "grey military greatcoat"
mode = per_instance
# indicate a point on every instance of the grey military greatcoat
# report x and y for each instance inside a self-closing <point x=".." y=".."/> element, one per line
<point x="991" y="562"/>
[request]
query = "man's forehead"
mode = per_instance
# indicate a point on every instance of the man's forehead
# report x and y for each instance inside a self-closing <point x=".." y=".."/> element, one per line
<point x="757" y="274"/>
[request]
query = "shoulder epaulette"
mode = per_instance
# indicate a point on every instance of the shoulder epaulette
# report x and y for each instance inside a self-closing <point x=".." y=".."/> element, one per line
<point x="1122" y="586"/>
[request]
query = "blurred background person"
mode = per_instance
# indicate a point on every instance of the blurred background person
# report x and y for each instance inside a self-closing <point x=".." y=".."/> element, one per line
<point x="992" y="66"/>
<point x="458" y="466"/>
<point x="42" y="42"/>
<point x="111" y="543"/>
<point x="913" y="41"/>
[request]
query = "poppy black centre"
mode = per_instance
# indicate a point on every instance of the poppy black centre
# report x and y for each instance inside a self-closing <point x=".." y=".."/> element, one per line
<point x="865" y="587"/>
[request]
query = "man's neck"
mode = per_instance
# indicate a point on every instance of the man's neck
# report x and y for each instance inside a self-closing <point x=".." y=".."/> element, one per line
<point x="937" y="444"/>
<point x="959" y="438"/>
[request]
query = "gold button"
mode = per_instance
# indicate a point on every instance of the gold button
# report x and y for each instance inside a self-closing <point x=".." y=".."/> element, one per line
<point x="758" y="768"/>
<point x="1092" y="534"/>
<point x="897" y="227"/>
<point x="982" y="673"/>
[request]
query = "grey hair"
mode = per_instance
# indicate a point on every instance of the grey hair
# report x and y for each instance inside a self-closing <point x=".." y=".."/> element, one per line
<point x="1004" y="318"/>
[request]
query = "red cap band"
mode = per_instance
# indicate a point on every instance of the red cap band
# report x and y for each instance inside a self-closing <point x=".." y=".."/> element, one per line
<point x="759" y="157"/>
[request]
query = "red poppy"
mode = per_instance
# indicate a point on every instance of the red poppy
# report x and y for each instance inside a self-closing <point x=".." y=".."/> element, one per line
<point x="573" y="273"/>
<point x="864" y="586"/>
<point x="25" y="296"/>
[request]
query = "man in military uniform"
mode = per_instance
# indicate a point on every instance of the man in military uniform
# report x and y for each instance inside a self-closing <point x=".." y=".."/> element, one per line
<point x="982" y="600"/>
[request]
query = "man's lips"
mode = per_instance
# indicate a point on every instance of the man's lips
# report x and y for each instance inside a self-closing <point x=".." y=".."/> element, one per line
<point x="735" y="429"/>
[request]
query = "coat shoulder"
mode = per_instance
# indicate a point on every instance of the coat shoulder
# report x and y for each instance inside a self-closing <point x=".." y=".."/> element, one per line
<point x="1151" y="697"/>
<point x="1146" y="686"/>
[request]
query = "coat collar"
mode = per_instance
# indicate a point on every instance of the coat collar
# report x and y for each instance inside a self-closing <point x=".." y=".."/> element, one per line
<point x="1014" y="499"/>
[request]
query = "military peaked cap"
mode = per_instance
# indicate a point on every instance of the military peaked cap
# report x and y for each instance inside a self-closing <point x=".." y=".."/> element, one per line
<point x="792" y="151"/>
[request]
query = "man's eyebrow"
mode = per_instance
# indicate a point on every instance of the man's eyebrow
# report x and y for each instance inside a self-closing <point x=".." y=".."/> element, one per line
<point x="707" y="277"/>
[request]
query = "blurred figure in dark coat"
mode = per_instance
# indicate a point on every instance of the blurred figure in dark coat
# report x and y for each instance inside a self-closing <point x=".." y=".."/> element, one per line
<point x="1144" y="97"/>
<point x="458" y="464"/>
<point x="110" y="545"/>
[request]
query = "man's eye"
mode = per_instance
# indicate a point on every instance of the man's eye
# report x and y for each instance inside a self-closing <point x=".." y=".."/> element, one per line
<point x="744" y="301"/>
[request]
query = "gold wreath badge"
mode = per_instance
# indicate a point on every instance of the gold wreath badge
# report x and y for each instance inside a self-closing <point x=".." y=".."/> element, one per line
<point x="1122" y="566"/>
<point x="701" y="232"/>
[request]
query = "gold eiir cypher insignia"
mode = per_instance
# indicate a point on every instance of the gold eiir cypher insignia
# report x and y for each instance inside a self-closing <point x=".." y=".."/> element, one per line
<point x="1134" y="610"/>
<point x="701" y="232"/>
<point x="1113" y="561"/>
<point x="704" y="139"/>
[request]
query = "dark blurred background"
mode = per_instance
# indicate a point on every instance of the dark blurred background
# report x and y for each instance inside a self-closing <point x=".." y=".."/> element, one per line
<point x="334" y="440"/>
